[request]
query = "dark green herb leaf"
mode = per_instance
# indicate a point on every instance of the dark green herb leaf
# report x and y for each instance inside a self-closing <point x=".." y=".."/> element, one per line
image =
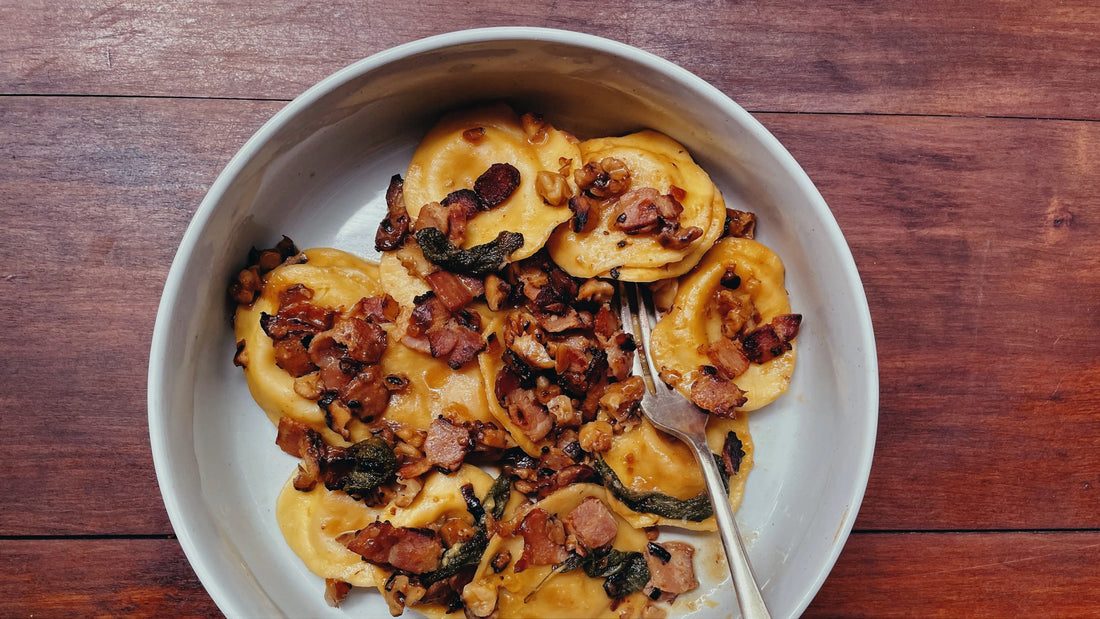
<point x="695" y="509"/>
<point x="479" y="260"/>
<point x="373" y="463"/>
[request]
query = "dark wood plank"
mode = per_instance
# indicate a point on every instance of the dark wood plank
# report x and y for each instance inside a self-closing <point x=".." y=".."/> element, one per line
<point x="976" y="575"/>
<point x="879" y="575"/>
<point x="962" y="229"/>
<point x="100" y="578"/>
<point x="1017" y="58"/>
<point x="94" y="196"/>
<point x="977" y="243"/>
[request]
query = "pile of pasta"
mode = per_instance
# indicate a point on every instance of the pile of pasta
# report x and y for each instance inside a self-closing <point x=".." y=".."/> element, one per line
<point x="467" y="424"/>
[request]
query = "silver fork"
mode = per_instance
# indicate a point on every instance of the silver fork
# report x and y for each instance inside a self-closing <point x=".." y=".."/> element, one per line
<point x="671" y="412"/>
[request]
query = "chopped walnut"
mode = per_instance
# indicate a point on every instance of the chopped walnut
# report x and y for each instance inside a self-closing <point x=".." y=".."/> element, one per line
<point x="596" y="436"/>
<point x="604" y="179"/>
<point x="552" y="188"/>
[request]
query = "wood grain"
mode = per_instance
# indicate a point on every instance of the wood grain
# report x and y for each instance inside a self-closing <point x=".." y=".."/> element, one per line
<point x="100" y="578"/>
<point x="881" y="575"/>
<point x="94" y="196"/>
<point x="975" y="575"/>
<point x="1013" y="58"/>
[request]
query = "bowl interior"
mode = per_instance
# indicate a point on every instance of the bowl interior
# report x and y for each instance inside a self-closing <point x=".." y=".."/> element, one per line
<point x="318" y="171"/>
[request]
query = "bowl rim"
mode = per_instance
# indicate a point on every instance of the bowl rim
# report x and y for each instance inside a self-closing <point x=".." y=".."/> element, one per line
<point x="179" y="517"/>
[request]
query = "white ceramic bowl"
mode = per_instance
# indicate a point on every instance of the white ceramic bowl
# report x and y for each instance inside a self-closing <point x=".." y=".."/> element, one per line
<point x="318" y="172"/>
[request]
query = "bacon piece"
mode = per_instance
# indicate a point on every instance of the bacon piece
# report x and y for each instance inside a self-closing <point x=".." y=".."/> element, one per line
<point x="413" y="550"/>
<point x="450" y="290"/>
<point x="528" y="415"/>
<point x="335" y="591"/>
<point x="395" y="226"/>
<point x="379" y="310"/>
<point x="292" y="356"/>
<point x="367" y="393"/>
<point x="771" y="340"/>
<point x="721" y="397"/>
<point x="296" y="315"/>
<point x="592" y="523"/>
<point x="467" y="346"/>
<point x="447" y="444"/>
<point x="496" y="185"/>
<point x="362" y="340"/>
<point x="786" y="326"/>
<point x="675" y="237"/>
<point x="433" y="215"/>
<point x="732" y="453"/>
<point x="637" y="211"/>
<point x="728" y="358"/>
<point x="543" y="540"/>
<point x="670" y="569"/>
<point x="575" y="474"/>
<point x="583" y="209"/>
<point x="739" y="224"/>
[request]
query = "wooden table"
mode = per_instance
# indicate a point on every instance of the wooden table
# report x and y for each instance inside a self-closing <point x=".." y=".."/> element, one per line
<point x="958" y="144"/>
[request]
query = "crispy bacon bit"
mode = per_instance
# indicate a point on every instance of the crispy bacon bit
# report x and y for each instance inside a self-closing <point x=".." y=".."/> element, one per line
<point x="500" y="561"/>
<point x="474" y="135"/>
<point x="468" y="344"/>
<point x="592" y="523"/>
<point x="413" y="550"/>
<point x="240" y="358"/>
<point x="434" y="215"/>
<point x="395" y="226"/>
<point x="582" y="207"/>
<point x="543" y="540"/>
<point x="293" y="357"/>
<point x="675" y="237"/>
<point x="671" y="571"/>
<point x="496" y="292"/>
<point x="771" y="340"/>
<point x="335" y="591"/>
<point x="380" y="309"/>
<point x="732" y="453"/>
<point x="728" y="358"/>
<point x="637" y="211"/>
<point x="528" y="415"/>
<point x="720" y="397"/>
<point x="739" y="224"/>
<point x="449" y="289"/>
<point x="359" y="339"/>
<point x="447" y="444"/>
<point x="496" y="185"/>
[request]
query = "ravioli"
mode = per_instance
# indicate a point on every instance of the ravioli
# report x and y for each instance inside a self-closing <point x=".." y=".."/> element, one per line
<point x="647" y="460"/>
<point x="655" y="160"/>
<point x="536" y="593"/>
<point x="339" y="280"/>
<point x="693" y="321"/>
<point x="313" y="522"/>
<point x="463" y="145"/>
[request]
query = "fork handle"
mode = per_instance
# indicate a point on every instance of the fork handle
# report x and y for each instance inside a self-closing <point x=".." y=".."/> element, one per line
<point x="749" y="599"/>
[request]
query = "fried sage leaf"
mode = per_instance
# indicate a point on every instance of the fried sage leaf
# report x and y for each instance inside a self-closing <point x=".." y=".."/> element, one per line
<point x="623" y="572"/>
<point x="479" y="260"/>
<point x="371" y="463"/>
<point x="695" y="509"/>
